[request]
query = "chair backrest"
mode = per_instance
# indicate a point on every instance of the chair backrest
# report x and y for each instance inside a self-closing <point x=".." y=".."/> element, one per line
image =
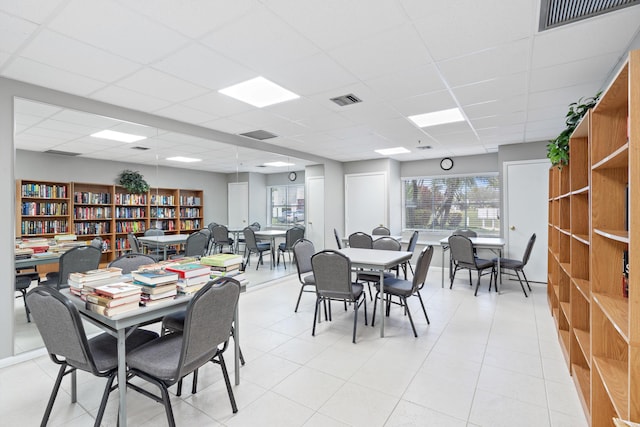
<point x="528" y="249"/>
<point x="338" y="241"/>
<point x="332" y="273"/>
<point x="196" y="244"/>
<point x="411" y="246"/>
<point x="255" y="226"/>
<point x="97" y="242"/>
<point x="60" y="326"/>
<point x="208" y="321"/>
<point x="133" y="243"/>
<point x="211" y="225"/>
<point x="250" y="239"/>
<point x="220" y="234"/>
<point x="77" y="260"/>
<point x="381" y="231"/>
<point x="462" y="250"/>
<point x="303" y="250"/>
<point x="293" y="235"/>
<point x="154" y="232"/>
<point x="360" y="240"/>
<point x="131" y="261"/>
<point x="422" y="267"/>
<point x="386" y="243"/>
<point x="464" y="232"/>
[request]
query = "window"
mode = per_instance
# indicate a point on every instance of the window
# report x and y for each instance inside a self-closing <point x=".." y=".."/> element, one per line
<point x="286" y="204"/>
<point x="447" y="203"/>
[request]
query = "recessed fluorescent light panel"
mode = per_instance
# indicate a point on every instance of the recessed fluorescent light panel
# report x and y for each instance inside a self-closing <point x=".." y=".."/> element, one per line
<point x="118" y="136"/>
<point x="259" y="92"/>
<point x="392" y="151"/>
<point x="437" y="118"/>
<point x="183" y="159"/>
<point x="278" y="164"/>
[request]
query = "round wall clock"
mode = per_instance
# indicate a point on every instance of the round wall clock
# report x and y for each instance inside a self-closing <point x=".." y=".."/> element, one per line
<point x="292" y="176"/>
<point x="446" y="163"/>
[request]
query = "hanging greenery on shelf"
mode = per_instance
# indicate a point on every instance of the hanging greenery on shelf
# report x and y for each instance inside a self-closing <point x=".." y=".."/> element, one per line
<point x="558" y="148"/>
<point x="133" y="182"/>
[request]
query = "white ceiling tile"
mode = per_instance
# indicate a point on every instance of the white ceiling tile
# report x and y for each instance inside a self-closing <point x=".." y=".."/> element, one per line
<point x="4" y="57"/>
<point x="129" y="98"/>
<point x="35" y="11"/>
<point x="29" y="71"/>
<point x="227" y="125"/>
<point x="85" y="119"/>
<point x="503" y="120"/>
<point x="370" y="113"/>
<point x="218" y="104"/>
<point x="77" y="57"/>
<point x="497" y="107"/>
<point x="35" y="108"/>
<point x="185" y="114"/>
<point x="401" y="130"/>
<point x="200" y="65"/>
<point x="156" y="83"/>
<point x="68" y="128"/>
<point x="109" y="26"/>
<point x="407" y="83"/>
<point x="300" y="109"/>
<point x="592" y="69"/>
<point x="492" y="89"/>
<point x="14" y="32"/>
<point x="428" y="103"/>
<point x="331" y="121"/>
<point x="450" y="128"/>
<point x="562" y="96"/>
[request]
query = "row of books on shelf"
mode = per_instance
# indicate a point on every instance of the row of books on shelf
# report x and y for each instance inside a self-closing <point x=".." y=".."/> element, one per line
<point x="87" y="197"/>
<point x="44" y="190"/>
<point x="108" y="292"/>
<point x="44" y="208"/>
<point x="92" y="213"/>
<point x="130" y="199"/>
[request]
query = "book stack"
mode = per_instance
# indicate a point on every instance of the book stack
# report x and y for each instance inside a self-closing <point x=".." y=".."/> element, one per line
<point x="227" y="265"/>
<point x="114" y="298"/>
<point x="82" y="284"/>
<point x="191" y="277"/>
<point x="36" y="244"/>
<point x="157" y="285"/>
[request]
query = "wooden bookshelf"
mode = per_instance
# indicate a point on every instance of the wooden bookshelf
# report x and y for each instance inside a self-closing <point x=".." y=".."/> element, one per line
<point x="93" y="215"/>
<point x="603" y="324"/>
<point x="43" y="208"/>
<point x="163" y="208"/>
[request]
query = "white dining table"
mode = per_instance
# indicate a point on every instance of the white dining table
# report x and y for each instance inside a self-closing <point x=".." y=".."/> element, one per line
<point x="271" y="235"/>
<point x="163" y="241"/>
<point x="495" y="244"/>
<point x="377" y="260"/>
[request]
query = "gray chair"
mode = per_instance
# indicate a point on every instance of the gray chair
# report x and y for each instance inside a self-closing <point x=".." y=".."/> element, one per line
<point x="405" y="289"/>
<point x="411" y="247"/>
<point x="463" y="257"/>
<point x="23" y="282"/>
<point x="220" y="235"/>
<point x="381" y="231"/>
<point x="131" y="261"/>
<point x="385" y="243"/>
<point x="158" y="250"/>
<point x="136" y="247"/>
<point x="332" y="273"/>
<point x="360" y="240"/>
<point x="61" y="328"/>
<point x="75" y="260"/>
<point x="205" y="337"/>
<point x="303" y="250"/>
<point x="97" y="242"/>
<point x="252" y="246"/>
<point x="195" y="245"/>
<point x="516" y="265"/>
<point x="337" y="236"/>
<point x="292" y="236"/>
<point x="461" y="232"/>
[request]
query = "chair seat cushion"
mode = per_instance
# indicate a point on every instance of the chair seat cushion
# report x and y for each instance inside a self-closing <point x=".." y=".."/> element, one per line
<point x="357" y="288"/>
<point x="282" y="246"/>
<point x="395" y="286"/>
<point x="104" y="347"/>
<point x="22" y="282"/>
<point x="174" y="321"/>
<point x="264" y="246"/>
<point x="158" y="358"/>
<point x="510" y="263"/>
<point x="309" y="280"/>
<point x="481" y="263"/>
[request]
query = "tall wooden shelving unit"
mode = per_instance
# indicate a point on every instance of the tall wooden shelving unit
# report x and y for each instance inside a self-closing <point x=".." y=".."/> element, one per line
<point x="593" y="222"/>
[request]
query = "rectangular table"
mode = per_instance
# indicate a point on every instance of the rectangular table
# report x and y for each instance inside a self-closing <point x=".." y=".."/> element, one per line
<point x="117" y="327"/>
<point x="378" y="260"/>
<point x="271" y="235"/>
<point x="34" y="261"/>
<point x="163" y="241"/>
<point x="495" y="244"/>
<point x="398" y="237"/>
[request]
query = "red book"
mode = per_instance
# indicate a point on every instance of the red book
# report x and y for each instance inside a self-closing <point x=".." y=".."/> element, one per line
<point x="186" y="271"/>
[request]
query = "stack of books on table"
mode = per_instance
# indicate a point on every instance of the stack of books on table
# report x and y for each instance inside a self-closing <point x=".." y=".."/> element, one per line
<point x="191" y="277"/>
<point x="82" y="284"/>
<point x="157" y="285"/>
<point x="114" y="298"/>
<point x="226" y="265"/>
<point x="36" y="244"/>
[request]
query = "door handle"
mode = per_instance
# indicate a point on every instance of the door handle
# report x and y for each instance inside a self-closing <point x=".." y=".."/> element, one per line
<point x="310" y="223"/>
<point x="513" y="227"/>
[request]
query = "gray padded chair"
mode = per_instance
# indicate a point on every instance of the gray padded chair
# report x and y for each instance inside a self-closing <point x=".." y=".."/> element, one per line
<point x="303" y="250"/>
<point x="381" y="231"/>
<point x="59" y="323"/>
<point x="411" y="247"/>
<point x="207" y="328"/>
<point x="385" y="243"/>
<point x="220" y="235"/>
<point x="137" y="248"/>
<point x="131" y="261"/>
<point x="360" y="240"/>
<point x="252" y="246"/>
<point x="23" y="282"/>
<point x="195" y="245"/>
<point x="76" y="260"/>
<point x="97" y="242"/>
<point x="517" y="265"/>
<point x="463" y="258"/>
<point x="292" y="236"/>
<point x="405" y="289"/>
<point x="158" y="250"/>
<point x="332" y="273"/>
<point x="337" y="236"/>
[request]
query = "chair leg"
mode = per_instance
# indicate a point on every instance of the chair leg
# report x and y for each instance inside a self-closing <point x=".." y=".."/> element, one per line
<point x="54" y="394"/>
<point x="355" y="320"/>
<point x="166" y="401"/>
<point x="26" y="307"/>
<point x="423" y="309"/>
<point x="521" y="284"/>
<point x="225" y="374"/>
<point x="105" y="397"/>
<point x="478" y="283"/>
<point x="404" y="300"/>
<point x="453" y="276"/>
<point x="194" y="384"/>
<point x="526" y="280"/>
<point x="315" y="316"/>
<point x="375" y="303"/>
<point x="299" y="296"/>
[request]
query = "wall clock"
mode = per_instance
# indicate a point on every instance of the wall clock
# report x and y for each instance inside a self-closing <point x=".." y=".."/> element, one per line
<point x="446" y="163"/>
<point x="292" y="176"/>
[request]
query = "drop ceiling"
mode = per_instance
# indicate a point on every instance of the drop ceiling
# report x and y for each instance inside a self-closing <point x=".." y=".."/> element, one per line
<point x="401" y="58"/>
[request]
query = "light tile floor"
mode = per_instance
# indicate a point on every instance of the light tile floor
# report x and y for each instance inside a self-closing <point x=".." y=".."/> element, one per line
<point x="491" y="360"/>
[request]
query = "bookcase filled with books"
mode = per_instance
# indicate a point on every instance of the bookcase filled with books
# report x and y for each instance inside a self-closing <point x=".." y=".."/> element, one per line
<point x="131" y="216"/>
<point x="43" y="208"/>
<point x="190" y="210"/>
<point x="163" y="208"/>
<point x="93" y="215"/>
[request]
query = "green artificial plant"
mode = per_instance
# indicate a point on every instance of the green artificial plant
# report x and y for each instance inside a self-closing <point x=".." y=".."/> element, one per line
<point x="558" y="148"/>
<point x="133" y="182"/>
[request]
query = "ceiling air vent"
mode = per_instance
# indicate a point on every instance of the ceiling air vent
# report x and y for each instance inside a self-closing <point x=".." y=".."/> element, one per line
<point x="259" y="134"/>
<point x="346" y="100"/>
<point x="138" y="147"/>
<point x="555" y="13"/>
<point x="62" y="153"/>
<point x="423" y="147"/>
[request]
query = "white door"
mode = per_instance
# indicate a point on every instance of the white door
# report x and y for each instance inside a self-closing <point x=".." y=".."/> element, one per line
<point x="314" y="215"/>
<point x="238" y="205"/>
<point x="526" y="202"/>
<point x="365" y="202"/>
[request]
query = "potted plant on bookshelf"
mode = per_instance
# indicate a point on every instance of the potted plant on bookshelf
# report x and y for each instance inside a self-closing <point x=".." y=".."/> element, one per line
<point x="558" y="148"/>
<point x="133" y="182"/>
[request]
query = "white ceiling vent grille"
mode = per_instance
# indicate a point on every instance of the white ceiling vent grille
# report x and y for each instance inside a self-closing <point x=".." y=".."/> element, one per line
<point x="62" y="153"/>
<point x="554" y="13"/>
<point x="259" y="134"/>
<point x="138" y="147"/>
<point x="346" y="100"/>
